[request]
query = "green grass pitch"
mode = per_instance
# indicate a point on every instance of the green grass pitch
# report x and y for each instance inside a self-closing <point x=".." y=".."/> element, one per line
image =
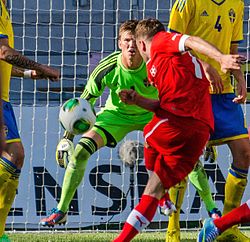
<point x="95" y="236"/>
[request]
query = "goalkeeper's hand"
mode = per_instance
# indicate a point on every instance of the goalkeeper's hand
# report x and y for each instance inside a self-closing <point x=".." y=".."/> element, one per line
<point x="210" y="154"/>
<point x="64" y="150"/>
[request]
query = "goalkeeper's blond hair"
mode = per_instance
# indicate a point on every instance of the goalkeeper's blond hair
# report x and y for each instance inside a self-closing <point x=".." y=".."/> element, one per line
<point x="128" y="25"/>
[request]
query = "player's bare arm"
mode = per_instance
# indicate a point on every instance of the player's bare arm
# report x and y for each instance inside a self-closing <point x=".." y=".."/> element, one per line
<point x="213" y="76"/>
<point x="241" y="82"/>
<point x="131" y="97"/>
<point x="14" y="58"/>
<point x="20" y="72"/>
<point x="227" y="62"/>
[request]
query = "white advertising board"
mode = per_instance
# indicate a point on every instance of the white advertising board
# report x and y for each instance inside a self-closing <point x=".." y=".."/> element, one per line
<point x="105" y="194"/>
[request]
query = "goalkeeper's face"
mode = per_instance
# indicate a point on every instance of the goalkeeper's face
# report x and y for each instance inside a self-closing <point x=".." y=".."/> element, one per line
<point x="127" y="44"/>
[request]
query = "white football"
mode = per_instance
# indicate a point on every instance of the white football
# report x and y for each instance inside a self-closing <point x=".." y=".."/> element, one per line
<point x="77" y="116"/>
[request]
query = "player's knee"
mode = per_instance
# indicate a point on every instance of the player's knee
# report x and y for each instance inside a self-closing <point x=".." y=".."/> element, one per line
<point x="18" y="159"/>
<point x="83" y="150"/>
<point x="248" y="157"/>
<point x="244" y="162"/>
<point x="81" y="154"/>
<point x="16" y="156"/>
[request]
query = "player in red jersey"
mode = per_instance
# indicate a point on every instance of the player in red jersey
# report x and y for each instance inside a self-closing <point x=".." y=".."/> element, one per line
<point x="183" y="113"/>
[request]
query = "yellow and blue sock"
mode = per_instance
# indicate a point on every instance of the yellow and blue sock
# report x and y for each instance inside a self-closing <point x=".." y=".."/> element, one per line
<point x="234" y="188"/>
<point x="9" y="177"/>
<point x="176" y="194"/>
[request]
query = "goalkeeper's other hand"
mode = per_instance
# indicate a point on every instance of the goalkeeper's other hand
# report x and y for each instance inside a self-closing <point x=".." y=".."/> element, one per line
<point x="210" y="154"/>
<point x="64" y="150"/>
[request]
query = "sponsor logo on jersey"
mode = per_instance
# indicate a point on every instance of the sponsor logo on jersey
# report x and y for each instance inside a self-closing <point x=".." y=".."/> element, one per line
<point x="204" y="13"/>
<point x="232" y="15"/>
<point x="153" y="71"/>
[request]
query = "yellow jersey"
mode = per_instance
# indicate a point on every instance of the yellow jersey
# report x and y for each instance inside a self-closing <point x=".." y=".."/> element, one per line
<point x="6" y="31"/>
<point x="220" y="22"/>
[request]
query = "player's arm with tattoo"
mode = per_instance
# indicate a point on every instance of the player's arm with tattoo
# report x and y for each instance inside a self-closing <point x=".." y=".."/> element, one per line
<point x="16" y="59"/>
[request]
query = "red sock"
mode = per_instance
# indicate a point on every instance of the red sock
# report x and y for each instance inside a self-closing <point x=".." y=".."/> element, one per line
<point x="163" y="200"/>
<point x="236" y="216"/>
<point x="138" y="219"/>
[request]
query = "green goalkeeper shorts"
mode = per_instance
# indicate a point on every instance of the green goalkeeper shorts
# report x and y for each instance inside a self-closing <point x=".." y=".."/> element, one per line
<point x="113" y="127"/>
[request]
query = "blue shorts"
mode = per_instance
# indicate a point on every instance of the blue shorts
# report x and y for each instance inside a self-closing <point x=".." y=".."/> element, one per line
<point x="10" y="125"/>
<point x="229" y="120"/>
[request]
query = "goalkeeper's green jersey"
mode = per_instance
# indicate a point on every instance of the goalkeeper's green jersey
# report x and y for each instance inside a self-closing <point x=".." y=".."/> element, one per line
<point x="112" y="74"/>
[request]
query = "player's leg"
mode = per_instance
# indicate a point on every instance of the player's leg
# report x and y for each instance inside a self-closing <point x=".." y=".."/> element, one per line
<point x="169" y="168"/>
<point x="7" y="196"/>
<point x="11" y="162"/>
<point x="238" y="215"/>
<point x="109" y="129"/>
<point x="235" y="186"/>
<point x="231" y="129"/>
<point x="87" y="145"/>
<point x="144" y="212"/>
<point x="198" y="178"/>
<point x="9" y="187"/>
<point x="176" y="194"/>
<point x="237" y="177"/>
<point x="212" y="228"/>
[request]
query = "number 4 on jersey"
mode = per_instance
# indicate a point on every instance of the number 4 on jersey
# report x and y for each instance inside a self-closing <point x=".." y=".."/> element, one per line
<point x="217" y="24"/>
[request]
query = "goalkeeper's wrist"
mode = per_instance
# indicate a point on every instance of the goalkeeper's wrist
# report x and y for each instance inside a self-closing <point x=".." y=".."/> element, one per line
<point x="27" y="73"/>
<point x="68" y="135"/>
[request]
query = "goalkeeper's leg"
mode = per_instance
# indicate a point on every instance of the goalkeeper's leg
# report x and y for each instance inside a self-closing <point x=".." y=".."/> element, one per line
<point x="75" y="170"/>
<point x="73" y="176"/>
<point x="198" y="178"/>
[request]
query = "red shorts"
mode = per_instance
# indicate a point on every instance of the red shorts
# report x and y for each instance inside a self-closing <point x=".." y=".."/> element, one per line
<point x="173" y="147"/>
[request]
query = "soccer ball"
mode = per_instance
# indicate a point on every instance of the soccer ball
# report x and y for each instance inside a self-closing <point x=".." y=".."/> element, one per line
<point x="77" y="116"/>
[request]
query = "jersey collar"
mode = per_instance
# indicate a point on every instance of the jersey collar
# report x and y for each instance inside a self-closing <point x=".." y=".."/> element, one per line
<point x="218" y="2"/>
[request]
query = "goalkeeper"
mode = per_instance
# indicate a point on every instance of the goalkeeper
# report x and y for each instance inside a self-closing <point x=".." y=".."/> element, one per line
<point x="120" y="70"/>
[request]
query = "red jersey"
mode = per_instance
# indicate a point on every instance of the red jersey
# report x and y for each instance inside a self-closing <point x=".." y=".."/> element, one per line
<point x="179" y="78"/>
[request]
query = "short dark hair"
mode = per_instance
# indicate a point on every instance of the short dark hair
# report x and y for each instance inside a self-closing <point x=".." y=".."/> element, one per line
<point x="128" y="25"/>
<point x="148" y="28"/>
